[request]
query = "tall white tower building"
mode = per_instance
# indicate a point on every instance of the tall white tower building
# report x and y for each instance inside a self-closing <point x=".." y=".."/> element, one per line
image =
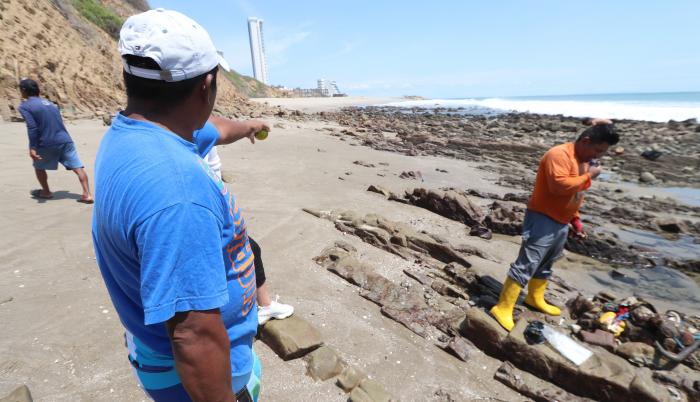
<point x="257" y="49"/>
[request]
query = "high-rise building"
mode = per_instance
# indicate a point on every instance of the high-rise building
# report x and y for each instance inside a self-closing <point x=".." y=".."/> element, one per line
<point x="327" y="87"/>
<point x="257" y="49"/>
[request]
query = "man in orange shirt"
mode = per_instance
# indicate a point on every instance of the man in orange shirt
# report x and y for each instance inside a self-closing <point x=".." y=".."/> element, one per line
<point x="565" y="172"/>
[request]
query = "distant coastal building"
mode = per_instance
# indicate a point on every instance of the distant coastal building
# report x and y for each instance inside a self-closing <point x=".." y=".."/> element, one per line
<point x="327" y="87"/>
<point x="257" y="49"/>
<point x="324" y="87"/>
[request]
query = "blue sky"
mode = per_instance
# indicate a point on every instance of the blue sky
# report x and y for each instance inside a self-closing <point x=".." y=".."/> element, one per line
<point x="464" y="48"/>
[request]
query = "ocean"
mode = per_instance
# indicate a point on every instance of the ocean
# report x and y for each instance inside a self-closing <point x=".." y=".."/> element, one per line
<point x="659" y="107"/>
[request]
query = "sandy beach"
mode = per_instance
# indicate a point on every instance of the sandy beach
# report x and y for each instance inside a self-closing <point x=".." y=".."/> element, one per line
<point x="63" y="339"/>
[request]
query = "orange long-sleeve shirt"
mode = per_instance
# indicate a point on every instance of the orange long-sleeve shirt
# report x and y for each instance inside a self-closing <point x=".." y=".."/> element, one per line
<point x="560" y="182"/>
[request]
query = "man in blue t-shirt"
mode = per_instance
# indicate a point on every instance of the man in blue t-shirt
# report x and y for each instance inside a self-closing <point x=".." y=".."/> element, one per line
<point x="49" y="142"/>
<point x="169" y="237"/>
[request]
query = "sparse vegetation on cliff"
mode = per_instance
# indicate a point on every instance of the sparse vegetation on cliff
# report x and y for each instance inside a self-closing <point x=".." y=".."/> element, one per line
<point x="99" y="15"/>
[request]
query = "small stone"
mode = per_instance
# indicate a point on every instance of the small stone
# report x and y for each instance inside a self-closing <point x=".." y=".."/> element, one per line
<point x="291" y="338"/>
<point x="350" y="378"/>
<point x="619" y="150"/>
<point x="324" y="363"/>
<point x="20" y="394"/>
<point x="461" y="348"/>
<point x="647" y="177"/>
<point x="227" y="177"/>
<point x="598" y="337"/>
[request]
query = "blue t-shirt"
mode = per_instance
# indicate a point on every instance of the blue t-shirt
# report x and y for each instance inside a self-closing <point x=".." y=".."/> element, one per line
<point x="169" y="236"/>
<point x="44" y="123"/>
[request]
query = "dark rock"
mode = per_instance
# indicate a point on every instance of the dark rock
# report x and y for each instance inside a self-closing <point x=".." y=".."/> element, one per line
<point x="671" y="225"/>
<point x="579" y="306"/>
<point x="505" y="220"/>
<point x="323" y="363"/>
<point x="291" y="338"/>
<point x="365" y="164"/>
<point x="652" y="155"/>
<point x="415" y="175"/>
<point x="599" y="337"/>
<point x="521" y="198"/>
<point x="460" y="347"/>
<point x="446" y="289"/>
<point x="451" y="204"/>
<point x="481" y="231"/>
<point x="463" y="277"/>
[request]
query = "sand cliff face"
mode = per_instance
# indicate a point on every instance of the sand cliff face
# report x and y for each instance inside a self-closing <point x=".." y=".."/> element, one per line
<point x="75" y="61"/>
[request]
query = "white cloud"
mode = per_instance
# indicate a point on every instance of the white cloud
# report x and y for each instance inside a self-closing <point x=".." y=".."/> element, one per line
<point x="376" y="84"/>
<point x="278" y="43"/>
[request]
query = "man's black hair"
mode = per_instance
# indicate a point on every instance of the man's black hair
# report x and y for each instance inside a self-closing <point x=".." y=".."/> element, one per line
<point x="600" y="133"/>
<point x="29" y="86"/>
<point x="162" y="92"/>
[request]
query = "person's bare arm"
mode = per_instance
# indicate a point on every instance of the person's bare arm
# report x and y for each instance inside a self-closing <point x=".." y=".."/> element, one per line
<point x="232" y="131"/>
<point x="202" y="355"/>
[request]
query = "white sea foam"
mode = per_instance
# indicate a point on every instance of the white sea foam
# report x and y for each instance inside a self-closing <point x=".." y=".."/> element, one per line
<point x="637" y="110"/>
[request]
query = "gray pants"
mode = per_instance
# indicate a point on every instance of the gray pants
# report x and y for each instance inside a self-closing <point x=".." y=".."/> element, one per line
<point x="543" y="242"/>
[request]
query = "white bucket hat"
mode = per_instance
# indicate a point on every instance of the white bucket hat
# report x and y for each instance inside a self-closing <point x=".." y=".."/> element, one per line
<point x="180" y="46"/>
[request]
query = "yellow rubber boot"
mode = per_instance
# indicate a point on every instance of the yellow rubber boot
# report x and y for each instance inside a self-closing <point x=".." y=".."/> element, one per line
<point x="535" y="297"/>
<point x="503" y="311"/>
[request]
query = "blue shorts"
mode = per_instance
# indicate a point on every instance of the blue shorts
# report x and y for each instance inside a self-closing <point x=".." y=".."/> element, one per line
<point x="157" y="375"/>
<point x="63" y="153"/>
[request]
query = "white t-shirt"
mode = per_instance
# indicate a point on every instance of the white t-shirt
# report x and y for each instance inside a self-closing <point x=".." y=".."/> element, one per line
<point x="212" y="158"/>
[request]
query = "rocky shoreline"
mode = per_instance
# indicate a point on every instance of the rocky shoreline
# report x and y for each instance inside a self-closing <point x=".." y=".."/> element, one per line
<point x="523" y="137"/>
<point x="512" y="144"/>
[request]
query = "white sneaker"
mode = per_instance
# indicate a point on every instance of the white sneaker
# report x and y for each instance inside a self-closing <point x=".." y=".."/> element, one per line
<point x="275" y="310"/>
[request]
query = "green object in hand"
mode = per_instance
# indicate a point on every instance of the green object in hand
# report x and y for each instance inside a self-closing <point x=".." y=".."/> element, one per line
<point x="261" y="135"/>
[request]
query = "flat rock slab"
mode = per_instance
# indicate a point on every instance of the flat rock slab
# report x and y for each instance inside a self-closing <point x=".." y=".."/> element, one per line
<point x="531" y="386"/>
<point x="604" y="376"/>
<point x="324" y="363"/>
<point x="291" y="338"/>
<point x="20" y="394"/>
